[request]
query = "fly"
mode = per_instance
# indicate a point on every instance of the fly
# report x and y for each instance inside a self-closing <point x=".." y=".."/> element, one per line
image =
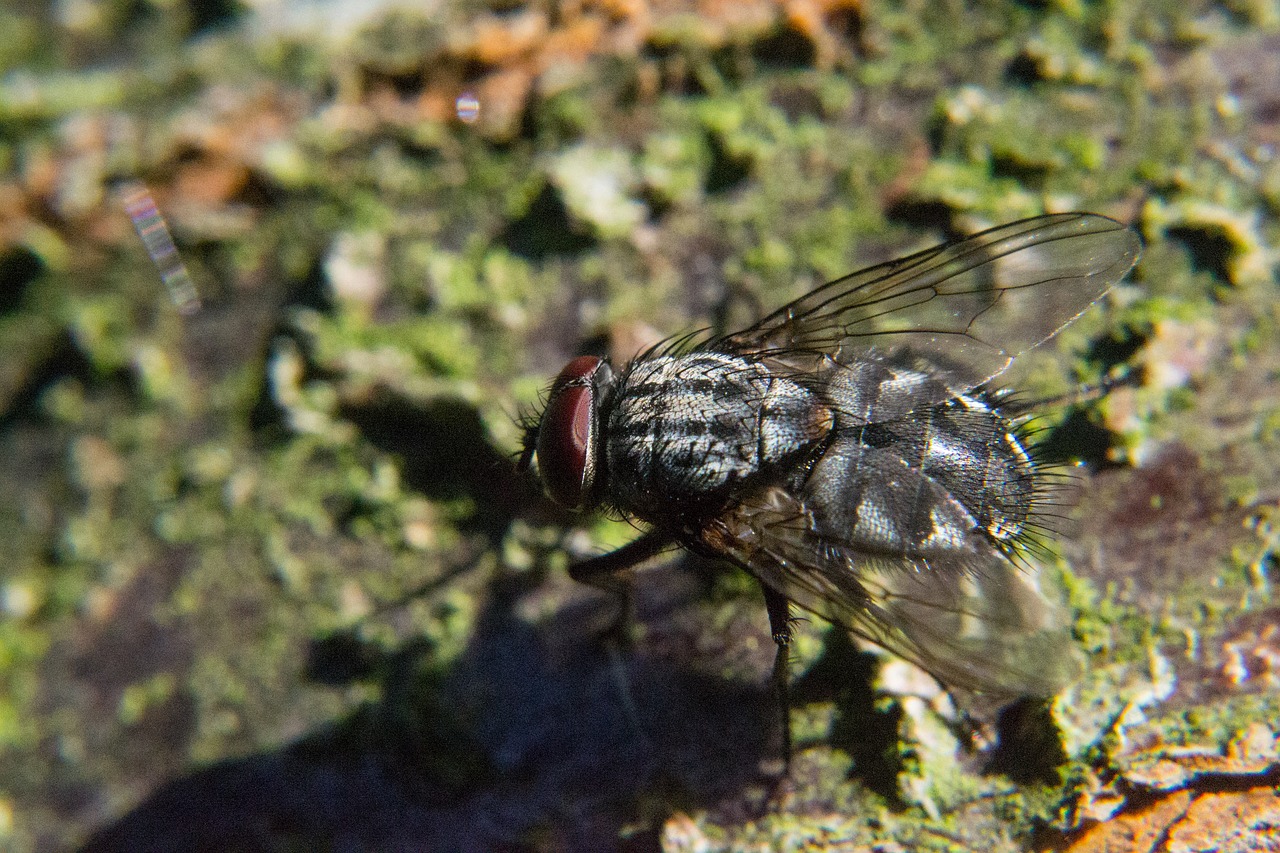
<point x="849" y="450"/>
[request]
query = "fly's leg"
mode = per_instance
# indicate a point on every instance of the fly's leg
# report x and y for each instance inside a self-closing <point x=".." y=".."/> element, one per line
<point x="1086" y="393"/>
<point x="780" y="626"/>
<point x="608" y="572"/>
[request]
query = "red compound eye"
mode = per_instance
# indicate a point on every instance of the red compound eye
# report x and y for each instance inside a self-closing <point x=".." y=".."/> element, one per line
<point x="567" y="435"/>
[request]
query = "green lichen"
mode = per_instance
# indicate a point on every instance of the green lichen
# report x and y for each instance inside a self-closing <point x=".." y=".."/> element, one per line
<point x="197" y="508"/>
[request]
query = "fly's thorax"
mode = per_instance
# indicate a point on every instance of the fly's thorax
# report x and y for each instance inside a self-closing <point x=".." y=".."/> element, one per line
<point x="684" y="430"/>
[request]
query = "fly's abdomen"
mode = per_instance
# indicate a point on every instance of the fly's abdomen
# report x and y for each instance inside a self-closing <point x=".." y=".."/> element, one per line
<point x="685" y="430"/>
<point x="873" y="499"/>
<point x="964" y="446"/>
<point x="968" y="449"/>
<point x="972" y="451"/>
<point x="946" y="484"/>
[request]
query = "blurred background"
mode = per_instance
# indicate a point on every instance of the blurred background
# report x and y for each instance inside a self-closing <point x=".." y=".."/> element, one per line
<point x="278" y="280"/>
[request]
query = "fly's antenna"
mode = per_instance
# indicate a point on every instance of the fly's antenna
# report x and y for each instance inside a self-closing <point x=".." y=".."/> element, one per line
<point x="525" y="461"/>
<point x="528" y="423"/>
<point x="528" y="419"/>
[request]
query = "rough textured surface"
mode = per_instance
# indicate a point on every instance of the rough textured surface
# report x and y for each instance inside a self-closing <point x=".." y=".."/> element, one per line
<point x="268" y="580"/>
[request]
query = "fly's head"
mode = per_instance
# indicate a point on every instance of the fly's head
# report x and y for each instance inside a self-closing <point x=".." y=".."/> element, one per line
<point x="565" y="439"/>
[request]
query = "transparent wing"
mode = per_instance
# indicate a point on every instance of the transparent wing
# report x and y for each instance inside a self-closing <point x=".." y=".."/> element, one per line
<point x="971" y="618"/>
<point x="947" y="304"/>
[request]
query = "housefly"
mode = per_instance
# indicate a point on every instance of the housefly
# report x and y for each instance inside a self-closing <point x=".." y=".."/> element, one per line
<point x="850" y="450"/>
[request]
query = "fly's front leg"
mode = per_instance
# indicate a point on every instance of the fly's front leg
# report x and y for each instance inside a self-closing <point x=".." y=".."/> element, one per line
<point x="608" y="572"/>
<point x="780" y="626"/>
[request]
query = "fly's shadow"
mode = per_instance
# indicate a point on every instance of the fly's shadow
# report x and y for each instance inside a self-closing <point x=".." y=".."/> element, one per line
<point x="527" y="733"/>
<point x="446" y="454"/>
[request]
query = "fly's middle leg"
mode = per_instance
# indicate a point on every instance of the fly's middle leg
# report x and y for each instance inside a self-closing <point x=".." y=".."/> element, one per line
<point x="780" y="626"/>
